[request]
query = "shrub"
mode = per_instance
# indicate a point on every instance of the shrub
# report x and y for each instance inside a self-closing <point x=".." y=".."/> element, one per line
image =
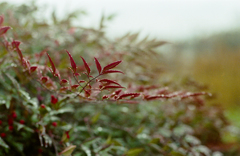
<point x="50" y="109"/>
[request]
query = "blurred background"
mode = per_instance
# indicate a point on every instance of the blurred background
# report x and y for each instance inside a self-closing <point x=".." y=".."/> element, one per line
<point x="203" y="36"/>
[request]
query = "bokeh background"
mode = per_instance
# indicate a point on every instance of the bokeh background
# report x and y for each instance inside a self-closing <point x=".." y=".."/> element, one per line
<point x="203" y="36"/>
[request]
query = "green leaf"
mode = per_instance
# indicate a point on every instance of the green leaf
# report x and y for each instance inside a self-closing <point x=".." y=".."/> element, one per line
<point x="24" y="94"/>
<point x="91" y="141"/>
<point x="95" y="117"/>
<point x="68" y="151"/>
<point x="34" y="102"/>
<point x="5" y="100"/>
<point x="155" y="147"/>
<point x="134" y="151"/>
<point x="3" y="144"/>
<point x="109" y="139"/>
<point x="86" y="150"/>
<point x="62" y="110"/>
<point x="115" y="142"/>
<point x="7" y="65"/>
<point x="18" y="146"/>
<point x="21" y="126"/>
<point x="175" y="153"/>
<point x="140" y="129"/>
<point x="15" y="83"/>
<point x="155" y="141"/>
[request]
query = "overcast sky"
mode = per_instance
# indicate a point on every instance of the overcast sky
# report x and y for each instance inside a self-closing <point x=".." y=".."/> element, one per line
<point x="164" y="19"/>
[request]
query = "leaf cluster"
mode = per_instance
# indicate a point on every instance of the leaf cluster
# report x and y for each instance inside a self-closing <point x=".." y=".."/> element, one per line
<point x="54" y="102"/>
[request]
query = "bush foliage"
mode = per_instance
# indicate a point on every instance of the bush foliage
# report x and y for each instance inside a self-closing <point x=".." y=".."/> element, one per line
<point x="54" y="102"/>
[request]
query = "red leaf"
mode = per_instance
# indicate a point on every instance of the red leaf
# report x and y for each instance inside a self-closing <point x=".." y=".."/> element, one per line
<point x="99" y="67"/>
<point x="3" y="135"/>
<point x="147" y="97"/>
<point x="26" y="63"/>
<point x="87" y="92"/>
<point x="129" y="94"/>
<point x="16" y="44"/>
<point x="111" y="71"/>
<point x="109" y="81"/>
<point x="33" y="68"/>
<point x="53" y="99"/>
<point x="111" y="65"/>
<point x="76" y="74"/>
<point x="117" y="92"/>
<point x="104" y="97"/>
<point x="10" y="128"/>
<point x="44" y="79"/>
<point x="52" y="65"/>
<point x="63" y="89"/>
<point x="64" y="82"/>
<point x="3" y="30"/>
<point x="67" y="133"/>
<point x="86" y="66"/>
<point x="54" y="124"/>
<point x="73" y="64"/>
<point x="14" y="115"/>
<point x="1" y="20"/>
<point x="74" y="86"/>
<point x="109" y="87"/>
<point x="22" y="122"/>
<point x="81" y="81"/>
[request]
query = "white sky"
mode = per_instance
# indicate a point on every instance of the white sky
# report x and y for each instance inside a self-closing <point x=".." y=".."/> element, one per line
<point x="164" y="19"/>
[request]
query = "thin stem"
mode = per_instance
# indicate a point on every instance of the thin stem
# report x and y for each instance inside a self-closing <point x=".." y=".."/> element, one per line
<point x="83" y="87"/>
<point x="89" y="83"/>
<point x="77" y="80"/>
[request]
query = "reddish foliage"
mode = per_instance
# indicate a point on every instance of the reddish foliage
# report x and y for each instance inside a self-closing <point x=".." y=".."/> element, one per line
<point x="54" y="100"/>
<point x="52" y="65"/>
<point x="133" y="95"/>
<point x="3" y="135"/>
<point x="44" y="79"/>
<point x="111" y="65"/>
<point x="42" y="106"/>
<point x="110" y="87"/>
<point x="22" y="122"/>
<point x="73" y="64"/>
<point x="10" y="128"/>
<point x="14" y="115"/>
<point x="111" y="71"/>
<point x="4" y="30"/>
<point x="107" y="81"/>
<point x="86" y="66"/>
<point x="67" y="133"/>
<point x="15" y="44"/>
<point x="64" y="82"/>
<point x="54" y="124"/>
<point x="33" y="68"/>
<point x="10" y="121"/>
<point x="98" y="65"/>
<point x="104" y="97"/>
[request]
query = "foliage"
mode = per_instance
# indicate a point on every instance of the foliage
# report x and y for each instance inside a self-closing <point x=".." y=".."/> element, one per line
<point x="49" y="108"/>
